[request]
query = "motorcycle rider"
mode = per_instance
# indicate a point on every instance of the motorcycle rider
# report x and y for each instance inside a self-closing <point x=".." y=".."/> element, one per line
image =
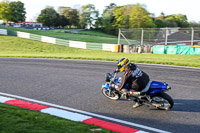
<point x="138" y="80"/>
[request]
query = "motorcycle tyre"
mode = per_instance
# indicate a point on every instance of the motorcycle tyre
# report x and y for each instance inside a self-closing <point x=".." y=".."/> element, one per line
<point x="116" y="95"/>
<point x="166" y="97"/>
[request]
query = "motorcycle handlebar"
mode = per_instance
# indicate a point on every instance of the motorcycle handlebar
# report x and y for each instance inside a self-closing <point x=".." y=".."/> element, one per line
<point x="116" y="71"/>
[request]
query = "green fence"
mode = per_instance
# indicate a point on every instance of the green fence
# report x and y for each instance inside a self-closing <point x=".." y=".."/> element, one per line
<point x="176" y="49"/>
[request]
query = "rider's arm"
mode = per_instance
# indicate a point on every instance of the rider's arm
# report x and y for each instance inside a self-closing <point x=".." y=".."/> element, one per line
<point x="125" y="76"/>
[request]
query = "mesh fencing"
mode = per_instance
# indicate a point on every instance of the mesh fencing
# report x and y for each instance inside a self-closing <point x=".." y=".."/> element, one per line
<point x="162" y="36"/>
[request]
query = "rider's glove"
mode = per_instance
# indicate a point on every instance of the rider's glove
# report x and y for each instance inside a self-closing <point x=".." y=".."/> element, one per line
<point x="116" y="71"/>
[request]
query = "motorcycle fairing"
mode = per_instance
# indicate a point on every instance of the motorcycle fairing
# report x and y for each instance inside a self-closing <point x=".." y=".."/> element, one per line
<point x="106" y="86"/>
<point x="156" y="87"/>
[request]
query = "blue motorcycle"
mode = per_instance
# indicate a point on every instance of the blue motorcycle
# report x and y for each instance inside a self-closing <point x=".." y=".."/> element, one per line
<point x="156" y="95"/>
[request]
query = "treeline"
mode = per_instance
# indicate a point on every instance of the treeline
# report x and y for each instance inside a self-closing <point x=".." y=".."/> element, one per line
<point x="112" y="18"/>
<point x="87" y="16"/>
<point x="12" y="11"/>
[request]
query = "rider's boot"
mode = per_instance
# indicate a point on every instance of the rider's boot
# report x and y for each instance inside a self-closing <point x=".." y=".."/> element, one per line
<point x="138" y="103"/>
<point x="125" y="94"/>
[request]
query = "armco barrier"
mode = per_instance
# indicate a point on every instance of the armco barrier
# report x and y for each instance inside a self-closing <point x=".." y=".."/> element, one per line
<point x="3" y="32"/>
<point x="48" y="39"/>
<point x="177" y="49"/>
<point x="75" y="44"/>
<point x="12" y="33"/>
<point x="110" y="47"/>
<point x="35" y="37"/>
<point x="62" y="42"/>
<point x="23" y="35"/>
<point x="94" y="46"/>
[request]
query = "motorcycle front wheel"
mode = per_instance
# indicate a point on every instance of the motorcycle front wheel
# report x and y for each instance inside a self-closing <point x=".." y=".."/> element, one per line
<point x="112" y="96"/>
<point x="163" y="101"/>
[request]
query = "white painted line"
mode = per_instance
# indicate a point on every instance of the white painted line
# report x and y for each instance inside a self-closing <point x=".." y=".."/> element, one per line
<point x="141" y="132"/>
<point x="65" y="114"/>
<point x="82" y="60"/>
<point x="4" y="99"/>
<point x="87" y="113"/>
<point x="169" y="66"/>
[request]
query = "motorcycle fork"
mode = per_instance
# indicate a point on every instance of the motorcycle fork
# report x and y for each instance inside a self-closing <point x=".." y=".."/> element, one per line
<point x="109" y="93"/>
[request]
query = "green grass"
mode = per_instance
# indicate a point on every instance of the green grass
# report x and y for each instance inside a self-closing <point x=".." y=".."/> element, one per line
<point x="84" y="36"/>
<point x="92" y="36"/>
<point x="17" y="47"/>
<point x="18" y="120"/>
<point x="96" y="33"/>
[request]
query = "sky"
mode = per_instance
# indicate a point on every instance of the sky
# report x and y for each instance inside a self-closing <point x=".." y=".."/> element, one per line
<point x="190" y="8"/>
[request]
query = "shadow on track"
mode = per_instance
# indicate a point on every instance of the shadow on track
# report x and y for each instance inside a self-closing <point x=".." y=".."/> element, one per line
<point x="182" y="105"/>
<point x="185" y="105"/>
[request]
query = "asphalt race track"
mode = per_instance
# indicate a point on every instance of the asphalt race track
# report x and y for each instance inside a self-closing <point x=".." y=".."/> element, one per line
<point x="77" y="84"/>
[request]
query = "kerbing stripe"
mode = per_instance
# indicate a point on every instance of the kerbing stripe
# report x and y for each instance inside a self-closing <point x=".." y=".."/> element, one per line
<point x="27" y="105"/>
<point x="110" y="126"/>
<point x="4" y="99"/>
<point x="65" y="114"/>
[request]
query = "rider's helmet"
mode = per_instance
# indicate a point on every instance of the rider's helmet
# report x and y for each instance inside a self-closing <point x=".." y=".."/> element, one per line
<point x="122" y="63"/>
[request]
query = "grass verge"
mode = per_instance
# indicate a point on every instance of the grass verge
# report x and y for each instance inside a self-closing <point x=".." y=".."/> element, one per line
<point x="84" y="36"/>
<point x="18" y="120"/>
<point x="18" y="47"/>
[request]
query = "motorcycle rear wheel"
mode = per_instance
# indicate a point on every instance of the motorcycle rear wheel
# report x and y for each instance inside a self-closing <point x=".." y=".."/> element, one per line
<point x="163" y="100"/>
<point x="113" y="95"/>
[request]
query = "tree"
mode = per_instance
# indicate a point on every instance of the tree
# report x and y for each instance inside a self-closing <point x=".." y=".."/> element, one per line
<point x="194" y="24"/>
<point x="89" y="16"/>
<point x="49" y="17"/>
<point x="5" y="14"/>
<point x="63" y="21"/>
<point x="12" y="11"/>
<point x="160" y="23"/>
<point x="139" y="18"/>
<point x="162" y="15"/>
<point x="121" y="16"/>
<point x="181" y="20"/>
<point x="108" y="18"/>
<point x="175" y="20"/>
<point x="72" y="15"/>
<point x="170" y="21"/>
<point x="17" y="11"/>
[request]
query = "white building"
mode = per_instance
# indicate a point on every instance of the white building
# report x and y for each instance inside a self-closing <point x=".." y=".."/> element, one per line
<point x="26" y="24"/>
